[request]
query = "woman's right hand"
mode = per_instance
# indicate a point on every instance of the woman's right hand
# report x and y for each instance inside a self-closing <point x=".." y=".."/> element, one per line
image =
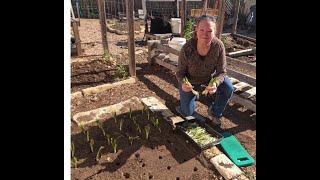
<point x="186" y="87"/>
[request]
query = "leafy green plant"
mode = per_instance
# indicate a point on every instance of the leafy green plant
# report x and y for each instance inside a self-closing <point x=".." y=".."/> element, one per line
<point x="98" y="153"/>
<point x="121" y="71"/>
<point x="188" y="29"/>
<point x="186" y="81"/>
<point x="101" y="127"/>
<point x="210" y="84"/>
<point x="147" y="130"/>
<point x="198" y="134"/>
<point x="91" y="145"/>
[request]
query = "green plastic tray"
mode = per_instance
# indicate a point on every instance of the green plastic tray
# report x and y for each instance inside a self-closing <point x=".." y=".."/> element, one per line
<point x="235" y="150"/>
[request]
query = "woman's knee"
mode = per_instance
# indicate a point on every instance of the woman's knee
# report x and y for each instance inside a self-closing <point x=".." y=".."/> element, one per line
<point x="228" y="87"/>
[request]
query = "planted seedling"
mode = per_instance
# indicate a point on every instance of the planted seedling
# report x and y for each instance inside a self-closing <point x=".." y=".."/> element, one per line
<point x="138" y="128"/>
<point x="113" y="142"/>
<point x="82" y="129"/>
<point x="101" y="127"/>
<point x="134" y="120"/>
<point x="72" y="150"/>
<point x="148" y="115"/>
<point x="156" y="123"/>
<point x="115" y="116"/>
<point x="130" y="113"/>
<point x="108" y="138"/>
<point x="74" y="162"/>
<point x="91" y="145"/>
<point x="98" y="153"/>
<point x="88" y="136"/>
<point x="120" y="124"/>
<point x="131" y="139"/>
<point x="147" y="130"/>
<point x="144" y="109"/>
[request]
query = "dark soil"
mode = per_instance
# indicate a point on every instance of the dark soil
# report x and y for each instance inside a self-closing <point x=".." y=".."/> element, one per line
<point x="164" y="155"/>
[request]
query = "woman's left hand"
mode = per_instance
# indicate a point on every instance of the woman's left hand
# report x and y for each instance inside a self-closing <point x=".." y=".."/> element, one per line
<point x="211" y="89"/>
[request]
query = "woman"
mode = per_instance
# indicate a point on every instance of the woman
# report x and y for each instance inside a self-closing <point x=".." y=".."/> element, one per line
<point x="202" y="58"/>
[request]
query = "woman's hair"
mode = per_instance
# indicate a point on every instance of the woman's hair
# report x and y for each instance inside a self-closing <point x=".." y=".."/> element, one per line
<point x="202" y="18"/>
<point x="206" y="17"/>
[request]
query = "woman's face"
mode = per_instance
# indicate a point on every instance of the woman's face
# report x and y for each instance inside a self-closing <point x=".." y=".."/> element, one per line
<point x="205" y="31"/>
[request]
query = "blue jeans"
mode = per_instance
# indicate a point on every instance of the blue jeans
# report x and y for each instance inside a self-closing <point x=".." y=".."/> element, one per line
<point x="223" y="94"/>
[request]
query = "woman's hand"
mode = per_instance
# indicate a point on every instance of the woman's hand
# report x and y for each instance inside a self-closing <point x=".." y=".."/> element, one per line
<point x="186" y="87"/>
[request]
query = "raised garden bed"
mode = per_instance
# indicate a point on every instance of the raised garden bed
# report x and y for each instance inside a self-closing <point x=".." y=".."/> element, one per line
<point x="162" y="154"/>
<point x="96" y="72"/>
<point x="240" y="48"/>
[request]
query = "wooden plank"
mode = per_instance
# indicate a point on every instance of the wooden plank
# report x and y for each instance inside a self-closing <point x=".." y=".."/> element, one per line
<point x="241" y="64"/>
<point x="132" y="62"/>
<point x="242" y="52"/>
<point x="235" y="18"/>
<point x="233" y="80"/>
<point x="225" y="34"/>
<point x="103" y="25"/>
<point x="152" y="44"/>
<point x="245" y="102"/>
<point x="244" y="37"/>
<point x="220" y="18"/>
<point x="242" y="77"/>
<point x="156" y="106"/>
<point x="158" y="36"/>
<point x="167" y="65"/>
<point x="168" y="49"/>
<point x="241" y="85"/>
<point x="249" y="93"/>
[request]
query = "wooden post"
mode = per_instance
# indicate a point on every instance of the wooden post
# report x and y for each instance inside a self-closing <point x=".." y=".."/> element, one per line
<point x="235" y="16"/>
<point x="215" y="5"/>
<point x="183" y="16"/>
<point x="220" y="18"/>
<point x="102" y="17"/>
<point x="205" y="5"/>
<point x="76" y="36"/>
<point x="78" y="11"/>
<point x="87" y="8"/>
<point x="115" y="9"/>
<point x="144" y="7"/>
<point x="178" y="14"/>
<point x="132" y="62"/>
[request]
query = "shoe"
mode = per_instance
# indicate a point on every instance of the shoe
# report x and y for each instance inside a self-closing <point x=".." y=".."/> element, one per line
<point x="216" y="121"/>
